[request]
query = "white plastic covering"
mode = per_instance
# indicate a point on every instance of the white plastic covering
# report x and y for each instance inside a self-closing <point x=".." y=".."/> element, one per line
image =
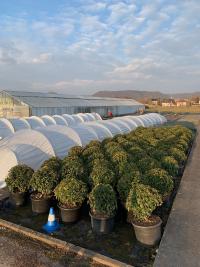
<point x="101" y="131"/>
<point x="60" y="120"/>
<point x="97" y="116"/>
<point x="77" y="118"/>
<point x="124" y="127"/>
<point x="60" y="141"/>
<point x="35" y="122"/>
<point x="85" y="133"/>
<point x="69" y="119"/>
<point x="6" y="128"/>
<point x="32" y="147"/>
<point x="112" y="127"/>
<point x="19" y="124"/>
<point x="48" y="120"/>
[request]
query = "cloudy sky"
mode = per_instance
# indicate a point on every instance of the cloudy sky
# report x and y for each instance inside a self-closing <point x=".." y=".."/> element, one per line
<point x="82" y="46"/>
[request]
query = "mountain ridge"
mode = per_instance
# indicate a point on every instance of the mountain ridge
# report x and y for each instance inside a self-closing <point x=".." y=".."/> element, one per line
<point x="136" y="94"/>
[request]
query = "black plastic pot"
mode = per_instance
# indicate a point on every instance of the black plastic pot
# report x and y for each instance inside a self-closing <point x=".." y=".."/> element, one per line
<point x="69" y="215"/>
<point x="148" y="235"/>
<point x="102" y="225"/>
<point x="18" y="198"/>
<point x="40" y="205"/>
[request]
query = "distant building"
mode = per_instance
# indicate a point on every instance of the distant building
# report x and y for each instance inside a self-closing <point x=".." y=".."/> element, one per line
<point x="25" y="104"/>
<point x="155" y="101"/>
<point x="182" y="103"/>
<point x="168" y="103"/>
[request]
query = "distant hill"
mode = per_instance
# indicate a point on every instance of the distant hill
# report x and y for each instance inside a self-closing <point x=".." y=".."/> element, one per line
<point x="138" y="95"/>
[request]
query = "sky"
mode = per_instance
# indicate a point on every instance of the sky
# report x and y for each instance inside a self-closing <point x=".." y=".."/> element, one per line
<point x="83" y="46"/>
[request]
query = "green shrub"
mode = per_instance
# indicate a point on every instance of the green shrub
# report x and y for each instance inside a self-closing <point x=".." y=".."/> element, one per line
<point x="102" y="200"/>
<point x="147" y="163"/>
<point x="102" y="174"/>
<point x="71" y="192"/>
<point x="125" y="182"/>
<point x="178" y="154"/>
<point x="142" y="201"/>
<point x="75" y="151"/>
<point x="74" y="166"/>
<point x="43" y="181"/>
<point x="160" y="180"/>
<point x="55" y="165"/>
<point x="18" y="178"/>
<point x="170" y="165"/>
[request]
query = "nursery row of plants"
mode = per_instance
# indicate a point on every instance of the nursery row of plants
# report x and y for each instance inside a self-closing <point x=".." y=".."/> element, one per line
<point x="135" y="170"/>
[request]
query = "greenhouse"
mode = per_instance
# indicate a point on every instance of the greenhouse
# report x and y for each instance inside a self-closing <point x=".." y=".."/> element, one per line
<point x="33" y="146"/>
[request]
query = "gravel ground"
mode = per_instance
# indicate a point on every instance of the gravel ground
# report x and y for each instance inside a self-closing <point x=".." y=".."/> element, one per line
<point x="18" y="251"/>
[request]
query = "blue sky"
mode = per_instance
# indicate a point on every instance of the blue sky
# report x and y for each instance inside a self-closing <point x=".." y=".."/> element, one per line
<point x="82" y="46"/>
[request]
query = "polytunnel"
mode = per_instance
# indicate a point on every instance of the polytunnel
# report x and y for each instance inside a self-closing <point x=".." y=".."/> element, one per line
<point x="112" y="127"/>
<point x="91" y="117"/>
<point x="97" y="116"/>
<point x="19" y="124"/>
<point x="138" y="121"/>
<point x="77" y="119"/>
<point x="85" y="133"/>
<point x="148" y="120"/>
<point x="83" y="116"/>
<point x="35" y="122"/>
<point x="124" y="127"/>
<point x="69" y="119"/>
<point x="101" y="131"/>
<point x="48" y="120"/>
<point x="60" y="120"/>
<point x="60" y="141"/>
<point x="20" y="154"/>
<point x="132" y="124"/>
<point x="6" y="128"/>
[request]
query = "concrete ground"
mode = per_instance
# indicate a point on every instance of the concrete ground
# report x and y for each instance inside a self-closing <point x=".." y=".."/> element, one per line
<point x="180" y="244"/>
<point x="19" y="251"/>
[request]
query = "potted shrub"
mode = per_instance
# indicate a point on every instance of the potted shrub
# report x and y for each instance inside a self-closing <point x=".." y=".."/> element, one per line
<point x="102" y="174"/>
<point x="18" y="182"/>
<point x="170" y="165"/>
<point x="74" y="166"/>
<point x="70" y="193"/>
<point x="103" y="206"/>
<point x="160" y="180"/>
<point x="141" y="202"/>
<point x="42" y="183"/>
<point x="55" y="165"/>
<point x="124" y="184"/>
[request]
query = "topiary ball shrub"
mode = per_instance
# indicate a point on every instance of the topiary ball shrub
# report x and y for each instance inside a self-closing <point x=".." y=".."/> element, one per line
<point x="160" y="180"/>
<point x="142" y="201"/>
<point x="75" y="151"/>
<point x="74" y="166"/>
<point x="55" y="165"/>
<point x="125" y="182"/>
<point x="177" y="154"/>
<point x="71" y="193"/>
<point x="102" y="174"/>
<point x="43" y="182"/>
<point x="147" y="163"/>
<point x="103" y="201"/>
<point x="170" y="165"/>
<point x="18" y="178"/>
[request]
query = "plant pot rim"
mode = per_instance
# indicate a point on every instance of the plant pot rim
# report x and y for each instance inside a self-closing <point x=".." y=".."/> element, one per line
<point x="63" y="208"/>
<point x="39" y="199"/>
<point x="17" y="193"/>
<point x="99" y="218"/>
<point x="138" y="225"/>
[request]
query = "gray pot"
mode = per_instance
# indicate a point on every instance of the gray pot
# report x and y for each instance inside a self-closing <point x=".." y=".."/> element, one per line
<point x="18" y="198"/>
<point x="69" y="215"/>
<point x="148" y="235"/>
<point x="40" y="205"/>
